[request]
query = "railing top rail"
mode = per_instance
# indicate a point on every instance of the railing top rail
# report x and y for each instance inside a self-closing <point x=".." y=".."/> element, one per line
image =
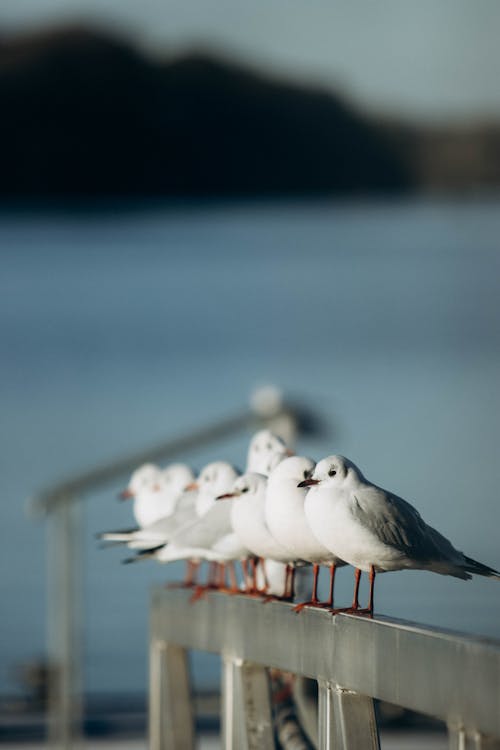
<point x="448" y="675"/>
<point x="86" y="481"/>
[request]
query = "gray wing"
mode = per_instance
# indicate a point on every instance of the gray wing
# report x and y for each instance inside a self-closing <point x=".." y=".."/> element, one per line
<point x="400" y="525"/>
<point x="170" y="525"/>
<point x="205" y="531"/>
<point x="186" y="501"/>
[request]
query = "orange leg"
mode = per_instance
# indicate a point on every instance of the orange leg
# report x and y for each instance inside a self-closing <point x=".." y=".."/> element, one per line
<point x="333" y="569"/>
<point x="253" y="568"/>
<point x="314" y="599"/>
<point x="357" y="579"/>
<point x="372" y="587"/>
<point x="232" y="577"/>
<point x="355" y="608"/>
<point x="262" y="564"/>
<point x="222" y="576"/>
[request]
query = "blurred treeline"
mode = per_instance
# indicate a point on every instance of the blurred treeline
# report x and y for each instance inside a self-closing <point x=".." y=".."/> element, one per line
<point x="86" y="114"/>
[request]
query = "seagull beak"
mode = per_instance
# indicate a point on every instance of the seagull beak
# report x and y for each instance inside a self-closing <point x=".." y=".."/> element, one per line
<point x="308" y="483"/>
<point x="226" y="496"/>
<point x="190" y="487"/>
<point x="289" y="452"/>
<point x="125" y="495"/>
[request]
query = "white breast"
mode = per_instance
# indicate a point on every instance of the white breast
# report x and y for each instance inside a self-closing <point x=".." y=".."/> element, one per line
<point x="285" y="517"/>
<point x="248" y="521"/>
<point x="338" y="529"/>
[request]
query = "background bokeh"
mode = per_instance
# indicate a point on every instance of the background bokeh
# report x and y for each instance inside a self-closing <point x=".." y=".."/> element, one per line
<point x="130" y="315"/>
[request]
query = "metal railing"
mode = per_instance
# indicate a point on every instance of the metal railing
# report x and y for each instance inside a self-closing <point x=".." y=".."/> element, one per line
<point x="452" y="677"/>
<point x="61" y="506"/>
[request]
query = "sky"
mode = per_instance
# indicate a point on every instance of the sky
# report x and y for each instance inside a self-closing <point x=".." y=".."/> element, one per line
<point x="426" y="60"/>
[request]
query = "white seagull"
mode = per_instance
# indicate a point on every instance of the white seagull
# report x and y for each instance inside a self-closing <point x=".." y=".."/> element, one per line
<point x="156" y="491"/>
<point x="287" y="522"/>
<point x="210" y="537"/>
<point x="159" y="497"/>
<point x="265" y="452"/>
<point x="375" y="530"/>
<point x="248" y="496"/>
<point x="139" y="484"/>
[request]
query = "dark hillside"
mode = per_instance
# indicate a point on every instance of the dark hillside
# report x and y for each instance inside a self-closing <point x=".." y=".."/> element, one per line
<point x="83" y="114"/>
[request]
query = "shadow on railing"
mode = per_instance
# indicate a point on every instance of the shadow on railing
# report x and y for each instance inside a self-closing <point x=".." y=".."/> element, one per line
<point x="452" y="677"/>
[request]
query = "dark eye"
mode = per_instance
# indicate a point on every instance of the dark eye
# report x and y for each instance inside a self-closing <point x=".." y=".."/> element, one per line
<point x="332" y="473"/>
<point x="244" y="489"/>
<point x="306" y="474"/>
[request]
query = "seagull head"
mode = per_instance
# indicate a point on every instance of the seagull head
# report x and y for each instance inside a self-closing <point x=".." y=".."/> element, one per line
<point x="265" y="452"/>
<point x="250" y="484"/>
<point x="294" y="468"/>
<point x="333" y="471"/>
<point x="142" y="479"/>
<point x="176" y="477"/>
<point x="216" y="478"/>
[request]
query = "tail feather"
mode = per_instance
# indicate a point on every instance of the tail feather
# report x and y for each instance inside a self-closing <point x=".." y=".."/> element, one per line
<point x="143" y="554"/>
<point x="122" y="535"/>
<point x="477" y="568"/>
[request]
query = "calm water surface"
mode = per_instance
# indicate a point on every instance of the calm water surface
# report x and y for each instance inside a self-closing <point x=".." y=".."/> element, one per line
<point x="119" y="330"/>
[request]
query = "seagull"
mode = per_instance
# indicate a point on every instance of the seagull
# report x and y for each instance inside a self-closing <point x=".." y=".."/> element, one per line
<point x="210" y="537"/>
<point x="249" y="524"/>
<point x="375" y="530"/>
<point x="287" y="522"/>
<point x="265" y="452"/>
<point x="158" y="495"/>
<point x="140" y="482"/>
<point x="156" y="491"/>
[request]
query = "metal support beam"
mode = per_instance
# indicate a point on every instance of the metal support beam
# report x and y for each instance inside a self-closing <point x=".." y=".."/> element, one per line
<point x="171" y="725"/>
<point x="326" y="735"/>
<point x="354" y="722"/>
<point x="232" y="713"/>
<point x="461" y="739"/>
<point x="64" y="624"/>
<point x="246" y="707"/>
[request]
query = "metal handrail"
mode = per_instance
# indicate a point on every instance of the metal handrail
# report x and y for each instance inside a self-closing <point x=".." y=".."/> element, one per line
<point x="59" y="504"/>
<point x="97" y="477"/>
<point x="354" y="659"/>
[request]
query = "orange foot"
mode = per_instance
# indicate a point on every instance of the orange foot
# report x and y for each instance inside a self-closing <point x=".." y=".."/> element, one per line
<point x="353" y="611"/>
<point x="199" y="593"/>
<point x="274" y="598"/>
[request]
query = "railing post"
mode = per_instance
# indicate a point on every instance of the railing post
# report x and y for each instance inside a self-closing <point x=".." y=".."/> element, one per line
<point x="246" y="707"/>
<point x="170" y="713"/>
<point x="325" y="715"/>
<point x="460" y="739"/>
<point x="64" y="625"/>
<point x="346" y="720"/>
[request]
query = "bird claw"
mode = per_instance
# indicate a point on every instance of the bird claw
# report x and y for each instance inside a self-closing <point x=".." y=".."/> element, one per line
<point x="353" y="611"/>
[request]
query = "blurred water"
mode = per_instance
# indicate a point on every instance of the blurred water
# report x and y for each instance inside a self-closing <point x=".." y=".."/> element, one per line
<point x="119" y="330"/>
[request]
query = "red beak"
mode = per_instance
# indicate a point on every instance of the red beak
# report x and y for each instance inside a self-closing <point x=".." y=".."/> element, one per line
<point x="289" y="452"/>
<point x="125" y="495"/>
<point x="226" y="496"/>
<point x="308" y="483"/>
<point x="191" y="487"/>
